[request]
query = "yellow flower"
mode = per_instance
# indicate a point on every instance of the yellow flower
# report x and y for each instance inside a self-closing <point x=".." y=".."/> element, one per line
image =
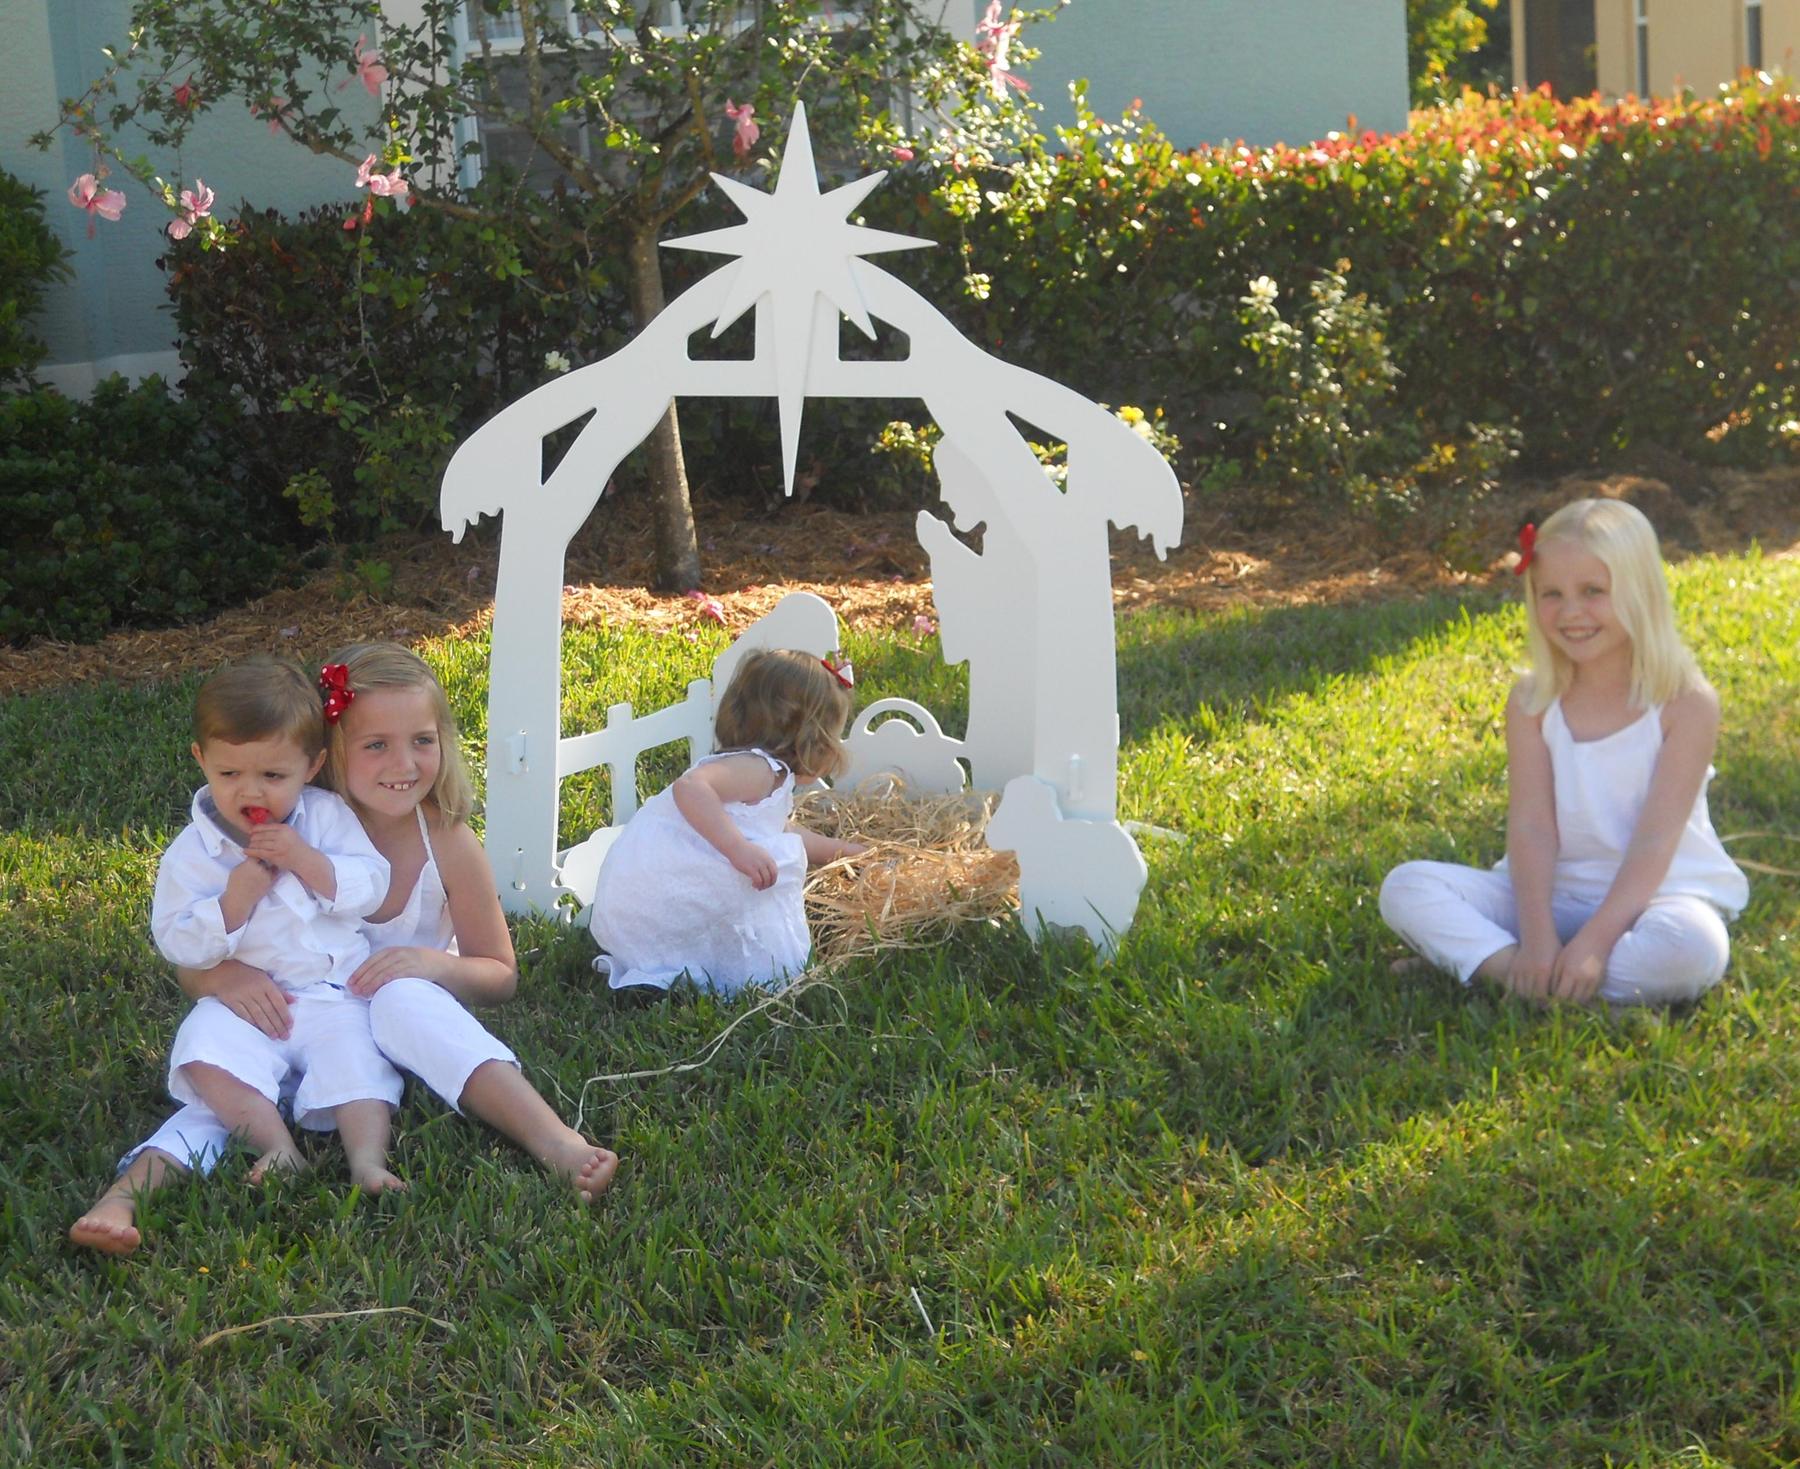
<point x="1131" y="415"/>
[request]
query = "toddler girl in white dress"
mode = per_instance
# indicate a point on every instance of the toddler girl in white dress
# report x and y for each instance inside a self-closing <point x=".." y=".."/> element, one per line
<point x="706" y="880"/>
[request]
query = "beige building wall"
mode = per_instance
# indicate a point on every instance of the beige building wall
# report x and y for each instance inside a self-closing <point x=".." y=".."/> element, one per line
<point x="1615" y="46"/>
<point x="1695" y="44"/>
<point x="1781" y="36"/>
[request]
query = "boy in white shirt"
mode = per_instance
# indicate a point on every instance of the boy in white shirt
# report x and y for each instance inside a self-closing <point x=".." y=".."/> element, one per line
<point x="274" y="872"/>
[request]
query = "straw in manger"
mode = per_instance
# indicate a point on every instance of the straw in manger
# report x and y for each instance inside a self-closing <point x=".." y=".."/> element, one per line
<point x="928" y="868"/>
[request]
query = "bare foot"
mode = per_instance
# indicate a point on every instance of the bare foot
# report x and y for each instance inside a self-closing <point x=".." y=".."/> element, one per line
<point x="587" y="1166"/>
<point x="284" y="1159"/>
<point x="108" y="1227"/>
<point x="1411" y="964"/>
<point x="376" y="1180"/>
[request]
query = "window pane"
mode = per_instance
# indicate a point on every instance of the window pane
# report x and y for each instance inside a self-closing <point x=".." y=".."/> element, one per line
<point x="1559" y="45"/>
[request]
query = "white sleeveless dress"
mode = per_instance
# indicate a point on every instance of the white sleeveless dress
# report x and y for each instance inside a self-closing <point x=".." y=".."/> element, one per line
<point x="669" y="903"/>
<point x="424" y="923"/>
<point x="1601" y="786"/>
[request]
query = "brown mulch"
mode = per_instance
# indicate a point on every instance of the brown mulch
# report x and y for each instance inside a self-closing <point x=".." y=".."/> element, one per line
<point x="871" y="569"/>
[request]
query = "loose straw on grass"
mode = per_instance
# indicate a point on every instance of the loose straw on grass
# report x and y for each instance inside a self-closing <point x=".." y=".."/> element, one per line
<point x="1763" y="867"/>
<point x="927" y="869"/>
<point x="207" y="1341"/>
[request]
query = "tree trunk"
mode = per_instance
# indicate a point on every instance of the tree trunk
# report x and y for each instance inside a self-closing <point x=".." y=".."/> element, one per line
<point x="677" y="551"/>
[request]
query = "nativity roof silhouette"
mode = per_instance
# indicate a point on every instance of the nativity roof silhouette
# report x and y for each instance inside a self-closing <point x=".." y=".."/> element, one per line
<point x="1030" y="610"/>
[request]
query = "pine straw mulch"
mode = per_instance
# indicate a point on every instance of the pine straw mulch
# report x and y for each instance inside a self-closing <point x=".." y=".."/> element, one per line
<point x="871" y="568"/>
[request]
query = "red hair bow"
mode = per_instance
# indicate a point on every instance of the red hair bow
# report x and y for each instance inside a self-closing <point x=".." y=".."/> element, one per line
<point x="334" y="684"/>
<point x="1527" y="546"/>
<point x="842" y="672"/>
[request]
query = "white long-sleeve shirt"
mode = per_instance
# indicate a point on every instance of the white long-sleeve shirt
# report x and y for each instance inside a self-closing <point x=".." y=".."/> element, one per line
<point x="299" y="938"/>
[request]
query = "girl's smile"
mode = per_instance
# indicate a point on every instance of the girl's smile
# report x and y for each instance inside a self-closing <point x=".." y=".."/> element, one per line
<point x="1573" y="590"/>
<point x="392" y="750"/>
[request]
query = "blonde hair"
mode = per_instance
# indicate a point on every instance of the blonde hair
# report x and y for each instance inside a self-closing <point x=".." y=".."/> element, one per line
<point x="372" y="666"/>
<point x="258" y="699"/>
<point x="789" y="704"/>
<point x="1662" y="668"/>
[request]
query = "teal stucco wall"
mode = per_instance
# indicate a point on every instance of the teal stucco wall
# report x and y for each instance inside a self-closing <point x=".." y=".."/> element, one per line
<point x="113" y="315"/>
<point x="1212" y="71"/>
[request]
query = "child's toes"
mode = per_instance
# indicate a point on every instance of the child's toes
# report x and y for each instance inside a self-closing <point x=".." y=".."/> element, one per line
<point x="105" y="1235"/>
<point x="595" y="1176"/>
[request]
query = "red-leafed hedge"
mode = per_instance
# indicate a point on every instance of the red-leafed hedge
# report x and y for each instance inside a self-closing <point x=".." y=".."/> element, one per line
<point x="1599" y="275"/>
<point x="1580" y="278"/>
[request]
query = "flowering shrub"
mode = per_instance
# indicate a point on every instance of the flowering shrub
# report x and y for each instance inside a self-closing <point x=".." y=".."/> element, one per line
<point x="363" y="356"/>
<point x="625" y="114"/>
<point x="1570" y="278"/>
<point x="1597" y="275"/>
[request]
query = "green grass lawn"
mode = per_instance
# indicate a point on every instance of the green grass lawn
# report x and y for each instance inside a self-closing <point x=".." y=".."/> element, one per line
<point x="1238" y="1198"/>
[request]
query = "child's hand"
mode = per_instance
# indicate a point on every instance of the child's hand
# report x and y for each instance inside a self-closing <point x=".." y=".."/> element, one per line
<point x="1580" y="968"/>
<point x="251" y="995"/>
<point x="755" y="863"/>
<point x="279" y="845"/>
<point x="1532" y="967"/>
<point x="399" y="962"/>
<point x="249" y="882"/>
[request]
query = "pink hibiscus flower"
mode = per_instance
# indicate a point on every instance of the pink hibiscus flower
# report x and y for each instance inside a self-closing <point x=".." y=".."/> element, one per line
<point x="744" y="139"/>
<point x="86" y="193"/>
<point x="369" y="68"/>
<point x="196" y="204"/>
<point x="276" y="112"/>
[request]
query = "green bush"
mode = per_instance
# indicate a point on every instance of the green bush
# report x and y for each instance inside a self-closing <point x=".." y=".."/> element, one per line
<point x="30" y="259"/>
<point x="1597" y="276"/>
<point x="124" y="511"/>
<point x="361" y="351"/>
<point x="1576" y="279"/>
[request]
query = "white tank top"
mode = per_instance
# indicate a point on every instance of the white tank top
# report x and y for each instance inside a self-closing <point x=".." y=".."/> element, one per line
<point x="1600" y="790"/>
<point x="424" y="923"/>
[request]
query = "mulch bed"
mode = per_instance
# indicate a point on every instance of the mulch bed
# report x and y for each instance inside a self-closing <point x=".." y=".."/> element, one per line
<point x="872" y="570"/>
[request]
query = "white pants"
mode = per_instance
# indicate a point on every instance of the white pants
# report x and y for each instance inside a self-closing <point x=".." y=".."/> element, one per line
<point x="330" y="1050"/>
<point x="1456" y="917"/>
<point x="422" y="1028"/>
<point x="418" y="1025"/>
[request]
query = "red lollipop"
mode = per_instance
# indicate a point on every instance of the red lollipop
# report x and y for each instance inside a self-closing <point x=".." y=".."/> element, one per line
<point x="258" y="815"/>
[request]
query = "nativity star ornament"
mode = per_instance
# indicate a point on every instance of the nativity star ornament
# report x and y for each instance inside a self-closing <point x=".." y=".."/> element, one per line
<point x="796" y="245"/>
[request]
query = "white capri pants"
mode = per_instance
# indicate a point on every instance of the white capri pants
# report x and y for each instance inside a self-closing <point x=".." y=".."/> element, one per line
<point x="1457" y="916"/>
<point x="422" y="1028"/>
<point x="418" y="1025"/>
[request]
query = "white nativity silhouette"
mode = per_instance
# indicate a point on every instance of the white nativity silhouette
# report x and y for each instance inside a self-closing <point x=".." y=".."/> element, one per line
<point x="1031" y="612"/>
